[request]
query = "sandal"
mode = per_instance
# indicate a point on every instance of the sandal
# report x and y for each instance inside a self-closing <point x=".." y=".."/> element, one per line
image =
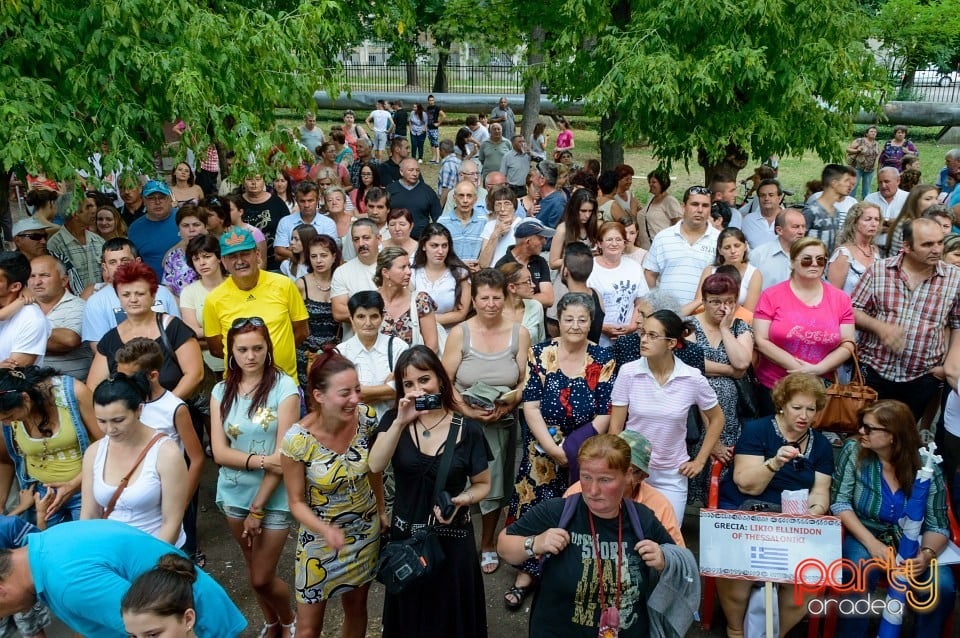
<point x="488" y="559"/>
<point x="268" y="629"/>
<point x="519" y="595"/>
<point x="292" y="627"/>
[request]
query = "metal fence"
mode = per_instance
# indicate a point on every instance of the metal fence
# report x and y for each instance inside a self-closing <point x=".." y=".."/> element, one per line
<point x="460" y="78"/>
<point x="928" y="86"/>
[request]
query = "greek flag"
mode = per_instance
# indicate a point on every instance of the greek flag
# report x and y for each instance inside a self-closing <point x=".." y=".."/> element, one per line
<point x="769" y="558"/>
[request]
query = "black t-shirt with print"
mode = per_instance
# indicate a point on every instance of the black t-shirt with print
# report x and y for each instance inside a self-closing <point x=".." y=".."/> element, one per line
<point x="266" y="216"/>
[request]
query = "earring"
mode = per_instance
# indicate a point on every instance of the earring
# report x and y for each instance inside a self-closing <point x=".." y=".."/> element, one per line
<point x="269" y="359"/>
<point x="230" y="363"/>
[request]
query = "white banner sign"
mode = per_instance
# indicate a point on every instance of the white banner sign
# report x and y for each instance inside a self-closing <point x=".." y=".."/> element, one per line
<point x="763" y="546"/>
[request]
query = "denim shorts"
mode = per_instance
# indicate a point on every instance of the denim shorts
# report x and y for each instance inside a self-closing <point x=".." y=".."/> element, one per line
<point x="272" y="519"/>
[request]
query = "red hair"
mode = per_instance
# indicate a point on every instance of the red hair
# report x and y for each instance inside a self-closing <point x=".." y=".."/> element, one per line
<point x="622" y="170"/>
<point x="136" y="271"/>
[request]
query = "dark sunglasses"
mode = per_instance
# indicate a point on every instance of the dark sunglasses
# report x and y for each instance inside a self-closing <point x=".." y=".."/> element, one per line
<point x="806" y="261"/>
<point x="699" y="190"/>
<point x="868" y="429"/>
<point x="33" y="236"/>
<point x="241" y="322"/>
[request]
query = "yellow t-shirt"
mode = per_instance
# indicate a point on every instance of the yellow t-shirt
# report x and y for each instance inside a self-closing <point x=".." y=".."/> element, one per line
<point x="56" y="459"/>
<point x="275" y="299"/>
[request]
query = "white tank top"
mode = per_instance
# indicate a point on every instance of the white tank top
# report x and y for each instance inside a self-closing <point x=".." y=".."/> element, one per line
<point x="159" y="415"/>
<point x="139" y="504"/>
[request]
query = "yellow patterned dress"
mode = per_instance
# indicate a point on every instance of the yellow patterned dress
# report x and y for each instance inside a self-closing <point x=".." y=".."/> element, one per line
<point x="339" y="492"/>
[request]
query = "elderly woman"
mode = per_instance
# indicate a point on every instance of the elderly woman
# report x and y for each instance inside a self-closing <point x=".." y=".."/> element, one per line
<point x="47" y="427"/>
<point x="663" y="210"/>
<point x="520" y="306"/>
<point x="894" y="150"/>
<point x="566" y="399"/>
<point x="413" y="441"/>
<point x="250" y="413"/>
<point x="778" y="453"/>
<point x="440" y="273"/>
<point x="571" y="599"/>
<point x="339" y="520"/>
<point x="497" y="234"/>
<point x="335" y="199"/>
<point x="672" y="388"/>
<point x="492" y="350"/>
<point x="130" y="451"/>
<point x="407" y="314"/>
<point x="824" y="312"/>
<point x="618" y="281"/>
<point x="177" y="273"/>
<point x="727" y="344"/>
<point x="873" y="481"/>
<point x="855" y="251"/>
<point x="136" y="286"/>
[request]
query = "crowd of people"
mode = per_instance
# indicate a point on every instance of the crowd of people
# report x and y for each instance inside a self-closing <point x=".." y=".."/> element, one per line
<point x="325" y="334"/>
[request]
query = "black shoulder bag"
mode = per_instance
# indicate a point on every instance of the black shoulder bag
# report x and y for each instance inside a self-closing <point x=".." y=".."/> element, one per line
<point x="403" y="562"/>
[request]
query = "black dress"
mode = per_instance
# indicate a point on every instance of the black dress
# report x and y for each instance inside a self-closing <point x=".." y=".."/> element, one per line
<point x="450" y="601"/>
<point x="323" y="329"/>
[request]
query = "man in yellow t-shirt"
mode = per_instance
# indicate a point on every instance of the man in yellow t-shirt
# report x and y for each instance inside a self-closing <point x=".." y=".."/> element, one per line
<point x="251" y="292"/>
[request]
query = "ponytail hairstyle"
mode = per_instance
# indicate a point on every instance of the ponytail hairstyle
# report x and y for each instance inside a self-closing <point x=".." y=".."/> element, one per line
<point x="29" y="381"/>
<point x="132" y="391"/>
<point x="329" y="362"/>
<point x="673" y="326"/>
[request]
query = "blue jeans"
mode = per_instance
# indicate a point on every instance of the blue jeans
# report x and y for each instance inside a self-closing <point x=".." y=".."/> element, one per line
<point x="416" y="142"/>
<point x="865" y="182"/>
<point x="927" y="625"/>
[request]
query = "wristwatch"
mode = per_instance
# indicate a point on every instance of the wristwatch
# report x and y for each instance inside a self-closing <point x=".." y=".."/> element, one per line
<point x="528" y="546"/>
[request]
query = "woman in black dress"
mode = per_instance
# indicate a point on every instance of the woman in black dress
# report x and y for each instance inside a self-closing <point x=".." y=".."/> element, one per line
<point x="449" y="601"/>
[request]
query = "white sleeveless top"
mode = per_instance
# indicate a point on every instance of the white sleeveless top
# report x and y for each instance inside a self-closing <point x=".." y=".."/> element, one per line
<point x="159" y="415"/>
<point x="744" y="283"/>
<point x="139" y="504"/>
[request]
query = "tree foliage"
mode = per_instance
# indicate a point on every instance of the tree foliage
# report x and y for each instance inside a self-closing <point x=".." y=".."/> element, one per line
<point x="75" y="72"/>
<point x="759" y="76"/>
<point x="919" y="33"/>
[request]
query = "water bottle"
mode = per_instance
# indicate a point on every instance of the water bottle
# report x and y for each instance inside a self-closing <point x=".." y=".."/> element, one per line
<point x="555" y="434"/>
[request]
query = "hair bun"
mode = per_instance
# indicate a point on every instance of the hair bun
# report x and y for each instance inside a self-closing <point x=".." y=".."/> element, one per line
<point x="178" y="565"/>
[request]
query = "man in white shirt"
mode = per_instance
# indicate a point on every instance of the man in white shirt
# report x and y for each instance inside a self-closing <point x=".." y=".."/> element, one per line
<point x="23" y="337"/>
<point x="773" y="258"/>
<point x="679" y="253"/>
<point x="355" y="275"/>
<point x="381" y="121"/>
<point x="758" y="226"/>
<point x="64" y="311"/>
<point x="889" y="197"/>
<point x="310" y="134"/>
<point x="307" y="195"/>
<point x="374" y="353"/>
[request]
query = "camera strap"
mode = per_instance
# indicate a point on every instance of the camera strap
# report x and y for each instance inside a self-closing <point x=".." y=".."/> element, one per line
<point x="446" y="459"/>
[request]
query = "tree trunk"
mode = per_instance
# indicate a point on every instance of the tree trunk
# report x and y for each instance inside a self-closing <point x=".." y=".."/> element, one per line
<point x="413" y="77"/>
<point x="730" y="165"/>
<point x="440" y="79"/>
<point x="5" y="174"/>
<point x="531" y="94"/>
<point x="611" y="149"/>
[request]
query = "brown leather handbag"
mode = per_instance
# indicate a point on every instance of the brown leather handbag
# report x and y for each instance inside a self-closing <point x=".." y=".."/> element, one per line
<point x="844" y="402"/>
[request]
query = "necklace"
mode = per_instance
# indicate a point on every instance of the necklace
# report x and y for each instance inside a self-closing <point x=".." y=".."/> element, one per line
<point x="319" y="287"/>
<point x="426" y="430"/>
<point x="609" y="616"/>
<point x="868" y="255"/>
<point x="246" y="393"/>
<point x="796" y="444"/>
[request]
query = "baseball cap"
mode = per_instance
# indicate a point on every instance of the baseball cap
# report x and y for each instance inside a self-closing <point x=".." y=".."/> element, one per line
<point x="237" y="240"/>
<point x="639" y="449"/>
<point x="29" y="224"/>
<point x="155" y="186"/>
<point x="532" y="227"/>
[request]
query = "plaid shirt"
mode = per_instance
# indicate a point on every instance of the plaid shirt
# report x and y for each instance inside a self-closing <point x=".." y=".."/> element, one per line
<point x="923" y="313"/>
<point x="211" y="160"/>
<point x="449" y="172"/>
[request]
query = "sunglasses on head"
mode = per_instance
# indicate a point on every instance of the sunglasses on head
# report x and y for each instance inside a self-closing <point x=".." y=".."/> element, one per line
<point x="33" y="236"/>
<point x="241" y="322"/>
<point x="699" y="190"/>
<point x="806" y="261"/>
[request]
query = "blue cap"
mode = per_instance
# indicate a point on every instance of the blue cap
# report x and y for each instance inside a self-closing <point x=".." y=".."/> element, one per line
<point x="236" y="241"/>
<point x="155" y="186"/>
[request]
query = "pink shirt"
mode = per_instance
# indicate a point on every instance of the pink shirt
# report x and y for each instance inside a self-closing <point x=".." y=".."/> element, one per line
<point x="564" y="139"/>
<point x="659" y="412"/>
<point x="809" y="333"/>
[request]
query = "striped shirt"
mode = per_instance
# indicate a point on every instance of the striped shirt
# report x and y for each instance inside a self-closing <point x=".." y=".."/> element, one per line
<point x="680" y="263"/>
<point x="863" y="491"/>
<point x="659" y="412"/>
<point x="923" y="313"/>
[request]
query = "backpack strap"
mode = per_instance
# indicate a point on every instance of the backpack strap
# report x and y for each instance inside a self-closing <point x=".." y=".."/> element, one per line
<point x="569" y="509"/>
<point x="631" y="508"/>
<point x="390" y="353"/>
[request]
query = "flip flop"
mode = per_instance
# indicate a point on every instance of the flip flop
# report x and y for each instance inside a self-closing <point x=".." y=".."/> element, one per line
<point x="488" y="560"/>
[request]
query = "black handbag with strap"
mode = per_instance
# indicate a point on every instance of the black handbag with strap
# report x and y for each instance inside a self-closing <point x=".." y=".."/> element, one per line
<point x="403" y="562"/>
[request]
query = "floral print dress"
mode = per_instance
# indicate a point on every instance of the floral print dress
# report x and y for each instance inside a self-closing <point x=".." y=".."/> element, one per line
<point x="565" y="403"/>
<point x="402" y="326"/>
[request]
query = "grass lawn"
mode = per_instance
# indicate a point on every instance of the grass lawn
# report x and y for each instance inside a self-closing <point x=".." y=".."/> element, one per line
<point x="795" y="172"/>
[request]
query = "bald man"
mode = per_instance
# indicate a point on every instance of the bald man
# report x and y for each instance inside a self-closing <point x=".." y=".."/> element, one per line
<point x="412" y="193"/>
<point x="64" y="311"/>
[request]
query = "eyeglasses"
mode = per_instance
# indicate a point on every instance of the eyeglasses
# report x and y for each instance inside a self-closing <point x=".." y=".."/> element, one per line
<point x="613" y="240"/>
<point x="471" y="174"/>
<point x="33" y="236"/>
<point x="868" y="429"/>
<point x="716" y="303"/>
<point x="241" y="322"/>
<point x="806" y="261"/>
<point x="699" y="190"/>
<point x="651" y="335"/>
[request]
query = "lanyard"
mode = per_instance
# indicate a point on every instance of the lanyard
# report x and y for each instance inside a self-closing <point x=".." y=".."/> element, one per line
<point x="596" y="550"/>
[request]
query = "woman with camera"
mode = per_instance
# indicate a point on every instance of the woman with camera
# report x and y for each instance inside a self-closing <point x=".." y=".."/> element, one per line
<point x="338" y="504"/>
<point x="777" y="453"/>
<point x="490" y="349"/>
<point x="449" y="601"/>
